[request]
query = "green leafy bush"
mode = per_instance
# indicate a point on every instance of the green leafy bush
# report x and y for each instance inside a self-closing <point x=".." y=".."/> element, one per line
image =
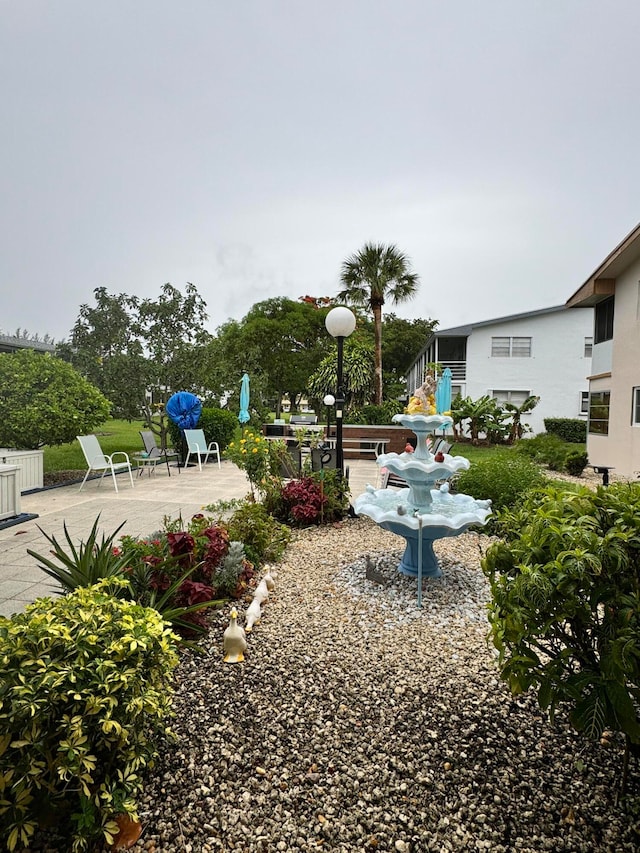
<point x="547" y="449"/>
<point x="218" y="425"/>
<point x="575" y="463"/>
<point x="85" y="699"/>
<point x="503" y="480"/>
<point x="44" y="400"/>
<point x="372" y="414"/>
<point x="568" y="429"/>
<point x="565" y="610"/>
<point x="264" y="538"/>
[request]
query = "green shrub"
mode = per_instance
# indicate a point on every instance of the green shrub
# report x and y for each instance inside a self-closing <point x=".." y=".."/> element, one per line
<point x="218" y="425"/>
<point x="568" y="429"/>
<point x="575" y="463"/>
<point x="553" y="451"/>
<point x="565" y="610"/>
<point x="503" y="480"/>
<point x="44" y="400"/>
<point x="546" y="449"/>
<point x="86" y="692"/>
<point x="372" y="414"/>
<point x="264" y="538"/>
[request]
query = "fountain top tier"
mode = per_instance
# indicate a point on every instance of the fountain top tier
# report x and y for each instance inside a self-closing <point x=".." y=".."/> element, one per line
<point x="421" y="469"/>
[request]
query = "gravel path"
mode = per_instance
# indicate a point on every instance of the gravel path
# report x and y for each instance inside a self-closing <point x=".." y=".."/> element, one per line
<point x="359" y="722"/>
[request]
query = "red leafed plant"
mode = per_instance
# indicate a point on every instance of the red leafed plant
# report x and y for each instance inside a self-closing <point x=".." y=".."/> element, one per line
<point x="304" y="500"/>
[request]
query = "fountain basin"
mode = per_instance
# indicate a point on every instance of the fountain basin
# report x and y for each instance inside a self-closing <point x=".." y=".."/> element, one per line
<point x="447" y="515"/>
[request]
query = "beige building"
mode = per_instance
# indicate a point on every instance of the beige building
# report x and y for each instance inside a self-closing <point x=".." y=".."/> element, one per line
<point x="613" y="436"/>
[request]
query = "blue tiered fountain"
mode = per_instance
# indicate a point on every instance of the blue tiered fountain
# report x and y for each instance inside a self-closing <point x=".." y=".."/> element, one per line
<point x="422" y="513"/>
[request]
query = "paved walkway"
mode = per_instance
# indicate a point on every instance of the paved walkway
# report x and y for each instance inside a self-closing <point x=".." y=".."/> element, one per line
<point x="141" y="508"/>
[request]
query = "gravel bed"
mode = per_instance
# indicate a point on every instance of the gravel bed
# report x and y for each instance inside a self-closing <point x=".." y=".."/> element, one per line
<point x="360" y="722"/>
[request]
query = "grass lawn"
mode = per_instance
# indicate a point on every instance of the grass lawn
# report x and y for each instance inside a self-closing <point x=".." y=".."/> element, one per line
<point x="124" y="435"/>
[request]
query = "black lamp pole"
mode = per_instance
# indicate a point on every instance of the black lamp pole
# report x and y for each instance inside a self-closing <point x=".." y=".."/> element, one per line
<point x="340" y="322"/>
<point x="339" y="408"/>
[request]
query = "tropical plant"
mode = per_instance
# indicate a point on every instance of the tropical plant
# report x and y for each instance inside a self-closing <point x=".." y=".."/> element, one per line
<point x="44" y="400"/>
<point x="516" y="412"/>
<point x="358" y="374"/>
<point x="565" y="609"/>
<point x="85" y="564"/>
<point x="86" y="695"/>
<point x="483" y="415"/>
<point x="374" y="275"/>
<point x="161" y="575"/>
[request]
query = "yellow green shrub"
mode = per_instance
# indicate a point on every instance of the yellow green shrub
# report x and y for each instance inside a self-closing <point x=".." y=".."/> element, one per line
<point x="85" y="697"/>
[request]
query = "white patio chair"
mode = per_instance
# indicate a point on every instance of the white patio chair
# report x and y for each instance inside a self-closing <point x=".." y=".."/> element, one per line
<point x="197" y="444"/>
<point x="97" y="460"/>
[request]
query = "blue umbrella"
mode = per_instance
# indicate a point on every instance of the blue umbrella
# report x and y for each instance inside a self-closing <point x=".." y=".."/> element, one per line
<point x="443" y="392"/>
<point x="184" y="409"/>
<point x="244" y="415"/>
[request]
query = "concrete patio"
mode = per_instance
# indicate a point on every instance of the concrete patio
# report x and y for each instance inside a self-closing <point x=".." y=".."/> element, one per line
<point x="141" y="508"/>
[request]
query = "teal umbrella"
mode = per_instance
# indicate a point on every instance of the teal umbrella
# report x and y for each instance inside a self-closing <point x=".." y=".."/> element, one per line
<point x="443" y="392"/>
<point x="244" y="415"/>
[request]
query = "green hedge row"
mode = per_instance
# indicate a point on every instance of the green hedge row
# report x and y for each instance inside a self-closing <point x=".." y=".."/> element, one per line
<point x="568" y="429"/>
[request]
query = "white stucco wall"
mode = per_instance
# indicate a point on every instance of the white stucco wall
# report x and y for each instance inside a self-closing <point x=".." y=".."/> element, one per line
<point x="556" y="371"/>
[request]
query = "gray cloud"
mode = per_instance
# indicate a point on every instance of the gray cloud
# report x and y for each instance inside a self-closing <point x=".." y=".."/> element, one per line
<point x="250" y="147"/>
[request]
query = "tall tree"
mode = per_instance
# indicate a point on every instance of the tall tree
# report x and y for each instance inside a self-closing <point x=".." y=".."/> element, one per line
<point x="105" y="347"/>
<point x="172" y="327"/>
<point x="285" y="340"/>
<point x="374" y="275"/>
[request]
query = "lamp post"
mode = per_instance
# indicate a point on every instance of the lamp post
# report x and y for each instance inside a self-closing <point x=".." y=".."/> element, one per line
<point x="329" y="401"/>
<point x="340" y="323"/>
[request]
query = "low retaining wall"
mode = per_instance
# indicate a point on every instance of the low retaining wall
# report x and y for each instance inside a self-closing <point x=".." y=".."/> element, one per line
<point x="396" y="436"/>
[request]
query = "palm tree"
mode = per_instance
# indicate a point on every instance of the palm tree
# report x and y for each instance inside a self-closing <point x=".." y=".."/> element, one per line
<point x="372" y="276"/>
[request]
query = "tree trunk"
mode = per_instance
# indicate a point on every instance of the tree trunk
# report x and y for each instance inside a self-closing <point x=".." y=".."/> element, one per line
<point x="377" y="324"/>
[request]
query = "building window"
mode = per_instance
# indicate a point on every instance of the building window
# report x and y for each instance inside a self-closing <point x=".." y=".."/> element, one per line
<point x="599" y="412"/>
<point x="603" y="321"/>
<point x="635" y="417"/>
<point x="515" y="397"/>
<point x="588" y="347"/>
<point x="584" y="402"/>
<point x="510" y="347"/>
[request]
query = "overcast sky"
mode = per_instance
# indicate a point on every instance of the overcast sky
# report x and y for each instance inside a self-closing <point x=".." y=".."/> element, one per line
<point x="250" y="146"/>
